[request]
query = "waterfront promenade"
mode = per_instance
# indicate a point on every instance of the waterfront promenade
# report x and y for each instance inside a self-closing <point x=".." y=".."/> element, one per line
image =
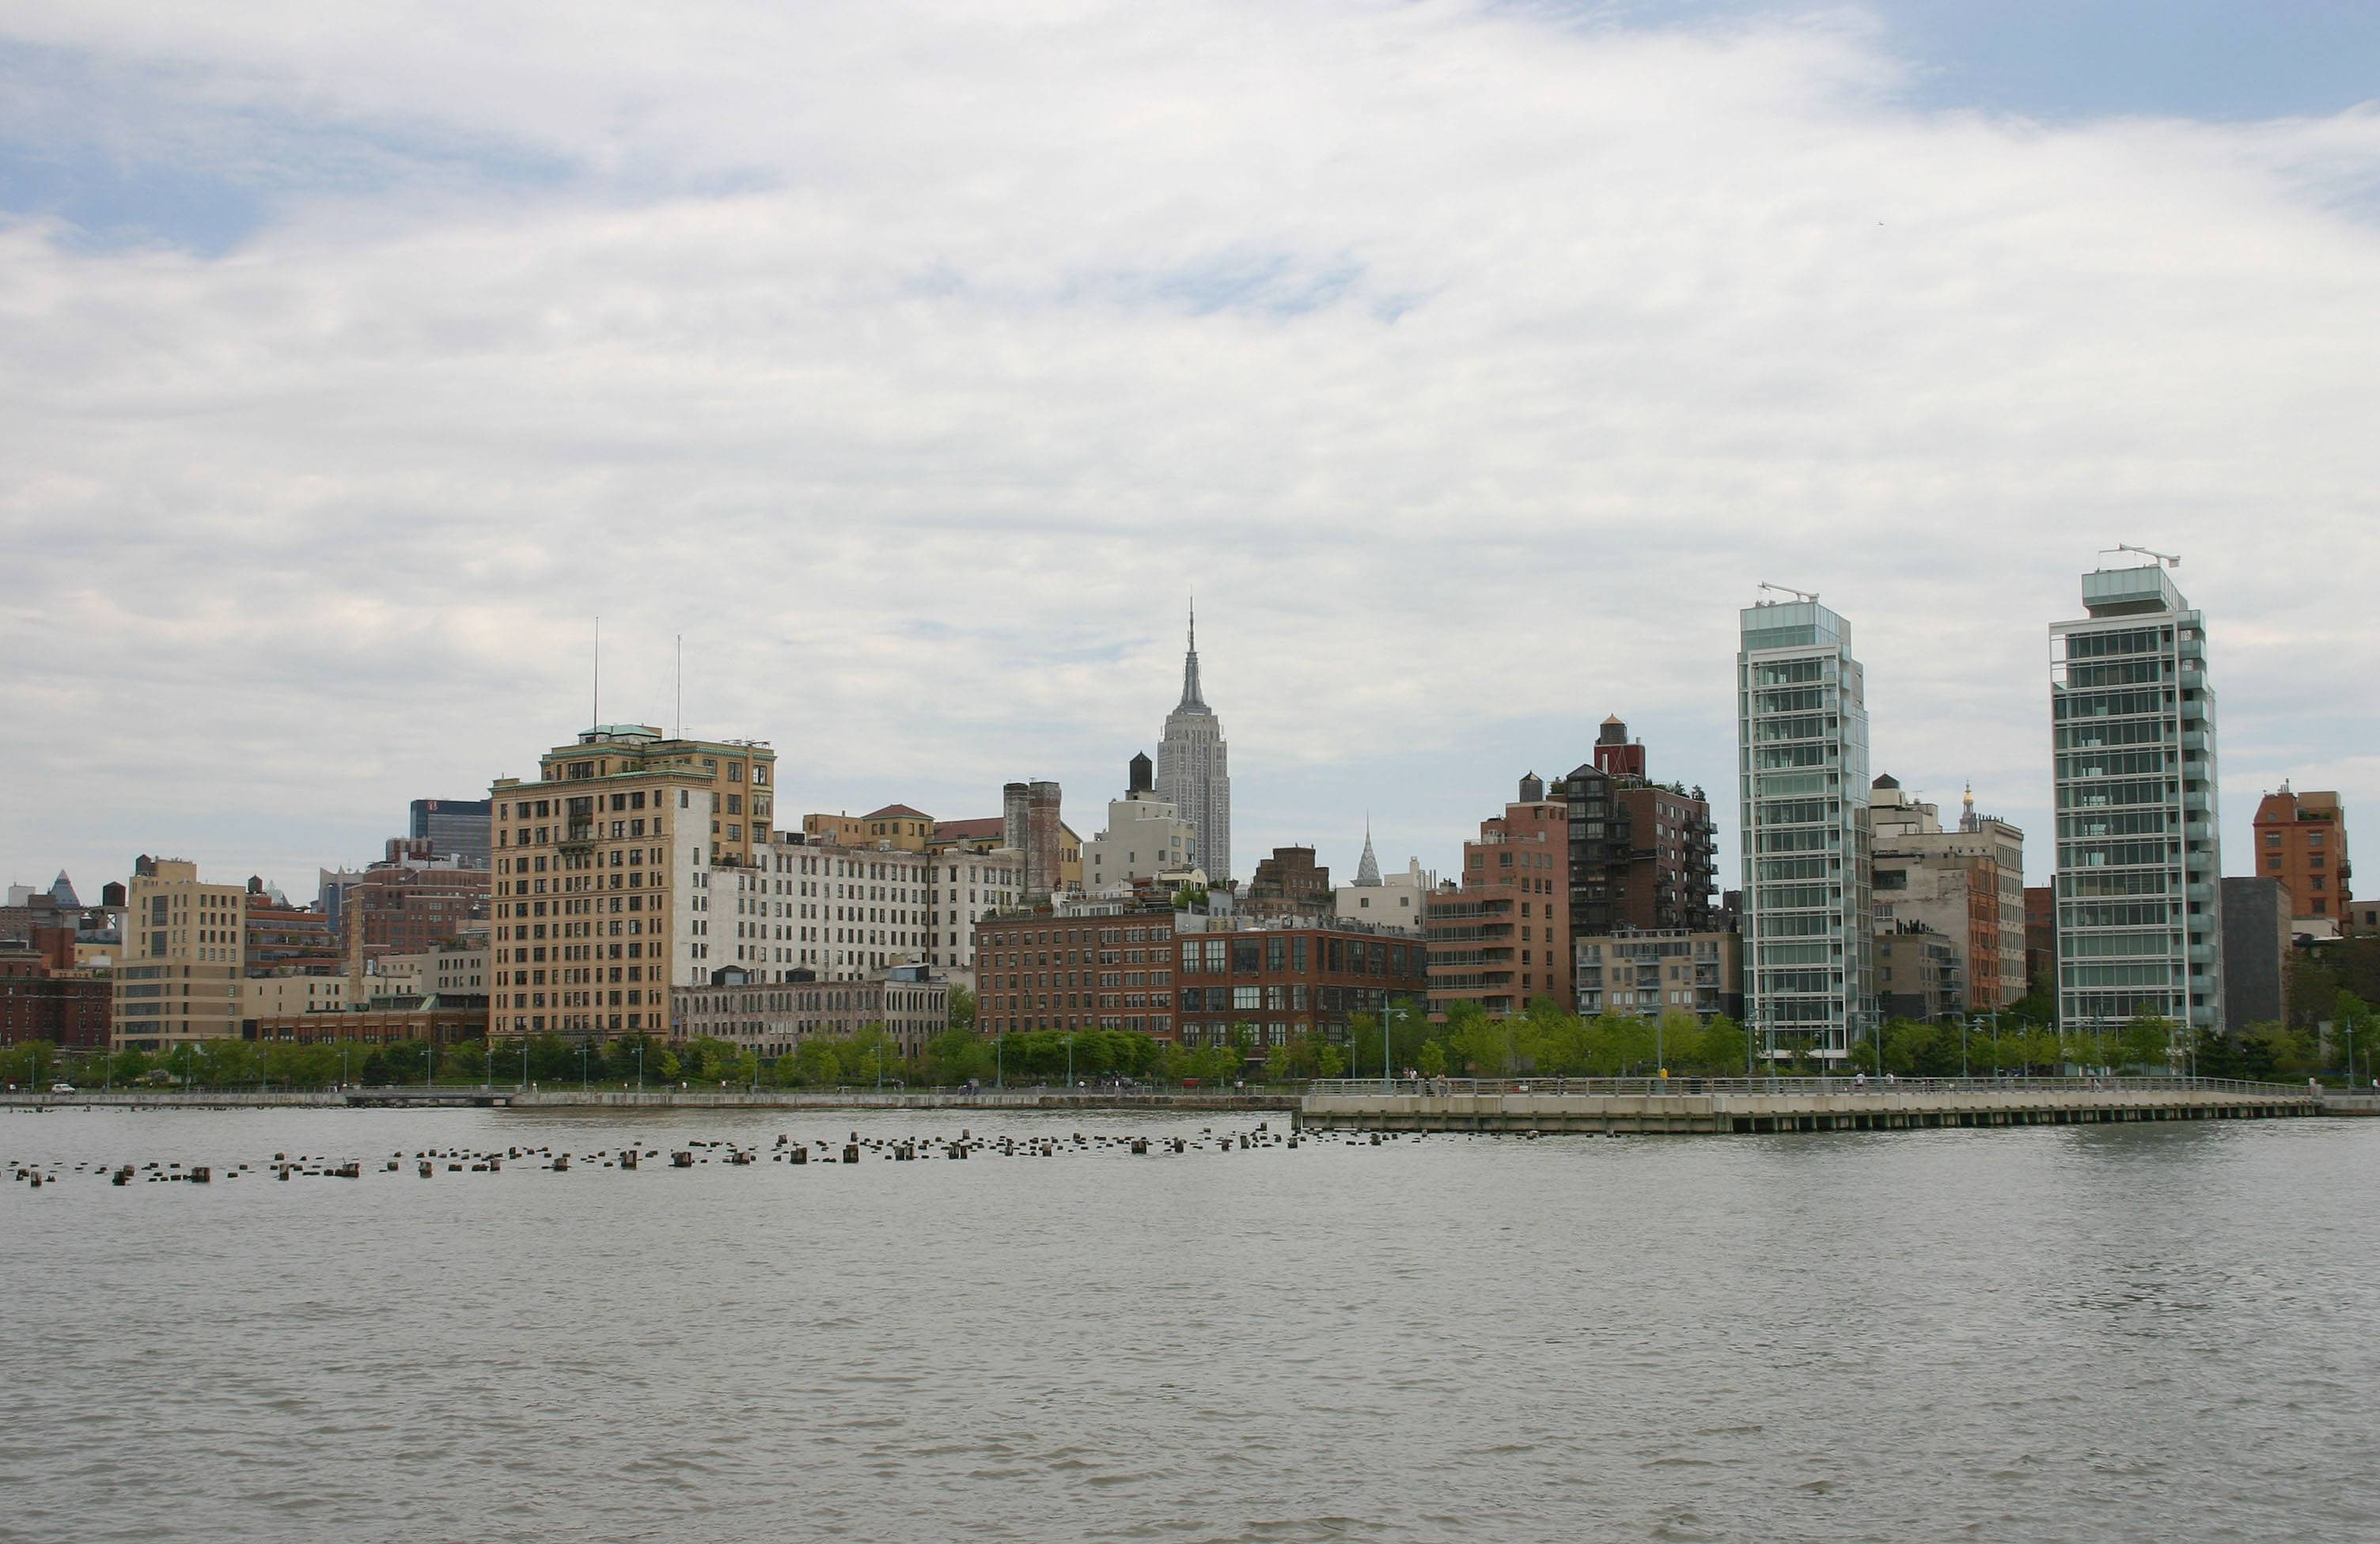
<point x="1618" y="1106"/>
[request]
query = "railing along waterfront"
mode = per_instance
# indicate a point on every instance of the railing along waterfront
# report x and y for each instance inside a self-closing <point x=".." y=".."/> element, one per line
<point x="1441" y="1088"/>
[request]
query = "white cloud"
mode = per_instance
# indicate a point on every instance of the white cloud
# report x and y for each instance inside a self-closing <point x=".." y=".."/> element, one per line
<point x="914" y="362"/>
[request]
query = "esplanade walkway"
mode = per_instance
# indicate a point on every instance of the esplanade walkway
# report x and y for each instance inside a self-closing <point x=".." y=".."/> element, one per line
<point x="1620" y="1106"/>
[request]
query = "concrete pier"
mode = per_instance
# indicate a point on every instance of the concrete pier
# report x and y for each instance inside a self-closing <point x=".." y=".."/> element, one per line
<point x="1743" y="1106"/>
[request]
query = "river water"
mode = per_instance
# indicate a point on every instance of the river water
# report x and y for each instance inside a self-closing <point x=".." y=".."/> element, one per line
<point x="2089" y="1334"/>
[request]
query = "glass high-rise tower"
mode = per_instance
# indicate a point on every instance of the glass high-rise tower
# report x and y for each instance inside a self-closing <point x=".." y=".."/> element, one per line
<point x="1809" y="954"/>
<point x="2140" y="858"/>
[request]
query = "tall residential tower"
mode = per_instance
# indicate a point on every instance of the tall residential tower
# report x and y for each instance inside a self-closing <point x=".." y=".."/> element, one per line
<point x="1809" y="968"/>
<point x="2140" y="860"/>
<point x="1194" y="769"/>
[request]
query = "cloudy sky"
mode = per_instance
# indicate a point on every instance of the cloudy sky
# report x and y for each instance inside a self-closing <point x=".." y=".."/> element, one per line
<point x="1472" y="362"/>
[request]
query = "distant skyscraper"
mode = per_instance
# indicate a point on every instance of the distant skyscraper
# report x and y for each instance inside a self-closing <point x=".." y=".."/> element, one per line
<point x="453" y="828"/>
<point x="1809" y="966"/>
<point x="1193" y="771"/>
<point x="2139" y="858"/>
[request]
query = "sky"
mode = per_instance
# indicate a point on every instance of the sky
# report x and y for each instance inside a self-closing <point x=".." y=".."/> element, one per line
<point x="1474" y="363"/>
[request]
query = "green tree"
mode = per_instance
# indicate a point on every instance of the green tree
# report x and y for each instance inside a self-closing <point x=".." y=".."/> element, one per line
<point x="225" y="1063"/>
<point x="129" y="1066"/>
<point x="2218" y="1054"/>
<point x="870" y="1056"/>
<point x="2145" y="1043"/>
<point x="817" y="1063"/>
<point x="1363" y="1045"/>
<point x="29" y="1063"/>
<point x="1329" y="1062"/>
<point x="956" y="1056"/>
<point x="466" y="1059"/>
<point x="551" y="1059"/>
<point x="962" y="1009"/>
<point x="1430" y="1060"/>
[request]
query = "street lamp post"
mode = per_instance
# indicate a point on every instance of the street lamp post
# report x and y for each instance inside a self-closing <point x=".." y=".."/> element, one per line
<point x="1070" y="1061"/>
<point x="523" y="1083"/>
<point x="582" y="1066"/>
<point x="640" y="1064"/>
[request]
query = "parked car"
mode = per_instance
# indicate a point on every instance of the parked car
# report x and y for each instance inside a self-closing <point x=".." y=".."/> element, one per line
<point x="62" y="1088"/>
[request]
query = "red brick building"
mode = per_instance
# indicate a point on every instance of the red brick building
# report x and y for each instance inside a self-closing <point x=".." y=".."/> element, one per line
<point x="1643" y="856"/>
<point x="71" y="1012"/>
<point x="2301" y="841"/>
<point x="1502" y="937"/>
<point x="411" y="911"/>
<point x="1187" y="977"/>
<point x="1288" y="884"/>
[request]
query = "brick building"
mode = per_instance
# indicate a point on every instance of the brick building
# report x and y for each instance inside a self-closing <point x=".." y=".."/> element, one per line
<point x="1089" y="965"/>
<point x="446" y="1020"/>
<point x="1644" y="855"/>
<point x="40" y="1002"/>
<point x="2301" y="841"/>
<point x="1188" y="977"/>
<point x="1289" y="884"/>
<point x="774" y="1017"/>
<point x="1502" y="937"/>
<point x="404" y="909"/>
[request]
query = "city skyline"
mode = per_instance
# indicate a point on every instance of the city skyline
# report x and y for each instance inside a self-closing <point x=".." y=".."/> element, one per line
<point x="1335" y="849"/>
<point x="1452" y="345"/>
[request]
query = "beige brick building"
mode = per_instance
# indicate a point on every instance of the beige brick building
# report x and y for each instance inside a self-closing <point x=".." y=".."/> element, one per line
<point x="179" y="976"/>
<point x="605" y="871"/>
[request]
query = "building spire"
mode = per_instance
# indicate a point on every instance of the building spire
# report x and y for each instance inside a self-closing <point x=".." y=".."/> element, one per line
<point x="1367" y="872"/>
<point x="1191" y="699"/>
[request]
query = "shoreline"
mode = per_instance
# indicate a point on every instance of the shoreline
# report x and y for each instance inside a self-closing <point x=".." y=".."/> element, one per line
<point x="670" y="1099"/>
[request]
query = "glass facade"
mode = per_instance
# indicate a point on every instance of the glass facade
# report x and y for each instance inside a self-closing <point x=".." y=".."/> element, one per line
<point x="2140" y="862"/>
<point x="1809" y="968"/>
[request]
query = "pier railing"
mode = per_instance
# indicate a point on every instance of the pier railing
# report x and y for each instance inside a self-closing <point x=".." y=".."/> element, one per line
<point x="2006" y="1083"/>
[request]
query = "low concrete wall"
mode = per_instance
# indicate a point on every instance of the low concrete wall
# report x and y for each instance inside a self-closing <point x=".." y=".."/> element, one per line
<point x="303" y="1099"/>
<point x="1876" y="1110"/>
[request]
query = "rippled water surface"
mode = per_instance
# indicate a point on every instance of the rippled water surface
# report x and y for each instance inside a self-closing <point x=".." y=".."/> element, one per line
<point x="2144" y="1332"/>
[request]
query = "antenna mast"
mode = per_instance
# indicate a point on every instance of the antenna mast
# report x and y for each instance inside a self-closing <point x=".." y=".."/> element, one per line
<point x="681" y="687"/>
<point x="598" y="721"/>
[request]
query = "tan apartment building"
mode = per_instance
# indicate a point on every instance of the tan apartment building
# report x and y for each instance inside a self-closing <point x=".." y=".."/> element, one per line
<point x="602" y="876"/>
<point x="178" y="979"/>
<point x="1656" y="973"/>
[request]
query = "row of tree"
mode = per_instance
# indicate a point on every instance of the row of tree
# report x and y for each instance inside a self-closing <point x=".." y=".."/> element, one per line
<point x="1543" y="1042"/>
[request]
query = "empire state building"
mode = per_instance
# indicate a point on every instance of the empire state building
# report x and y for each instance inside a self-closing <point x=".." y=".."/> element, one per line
<point x="1193" y="771"/>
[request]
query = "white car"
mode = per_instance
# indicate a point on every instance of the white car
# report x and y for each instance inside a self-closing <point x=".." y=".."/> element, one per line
<point x="62" y="1088"/>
